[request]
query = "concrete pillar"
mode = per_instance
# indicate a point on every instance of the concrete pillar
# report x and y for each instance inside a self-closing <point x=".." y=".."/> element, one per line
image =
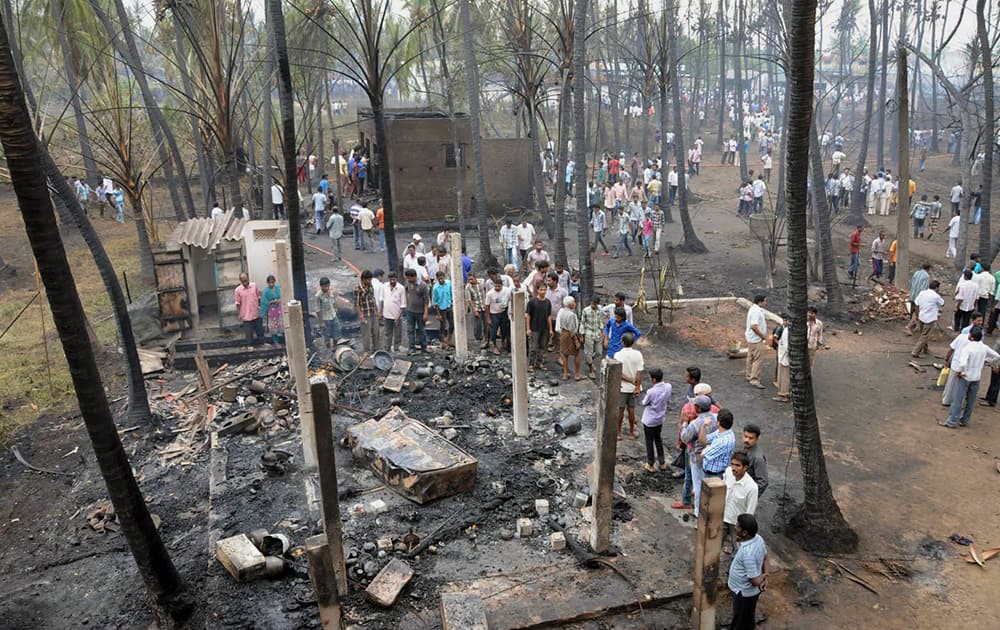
<point x="282" y="274"/>
<point x="327" y="465"/>
<point x="519" y="362"/>
<point x="707" y="548"/>
<point x="324" y="581"/>
<point x="458" y="299"/>
<point x="295" y="344"/>
<point x="605" y="454"/>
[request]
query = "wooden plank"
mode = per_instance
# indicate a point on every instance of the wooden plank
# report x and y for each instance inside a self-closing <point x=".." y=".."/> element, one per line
<point x="240" y="557"/>
<point x="203" y="372"/>
<point x="323" y="580"/>
<point x="390" y="581"/>
<point x="462" y="611"/>
<point x="605" y="452"/>
<point x="397" y="375"/>
<point x="150" y="361"/>
<point x="326" y="464"/>
<point x="708" y="547"/>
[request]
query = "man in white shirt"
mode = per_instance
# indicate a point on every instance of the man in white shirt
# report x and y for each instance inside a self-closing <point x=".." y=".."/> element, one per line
<point x="277" y="201"/>
<point x="928" y="304"/>
<point x="525" y="239"/>
<point x="631" y="384"/>
<point x="879" y="248"/>
<point x="393" y="305"/>
<point x="366" y="221"/>
<point x="756" y="333"/>
<point x="508" y="241"/>
<point x="741" y="497"/>
<point x="608" y="310"/>
<point x="759" y="188"/>
<point x="951" y="360"/>
<point x="971" y="360"/>
<point x="956" y="197"/>
<point x="966" y="298"/>
<point x="954" y="225"/>
<point x="837" y="157"/>
<point x="319" y="206"/>
<point x="987" y="285"/>
<point x="217" y="211"/>
<point x="672" y="180"/>
<point x="496" y="302"/>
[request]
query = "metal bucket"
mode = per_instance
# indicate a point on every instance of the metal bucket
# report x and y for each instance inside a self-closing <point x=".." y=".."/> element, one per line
<point x="570" y="424"/>
<point x="346" y="358"/>
<point x="382" y="360"/>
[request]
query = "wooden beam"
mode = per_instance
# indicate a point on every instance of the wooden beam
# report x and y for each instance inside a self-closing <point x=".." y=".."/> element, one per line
<point x="327" y="465"/>
<point x="706" y="553"/>
<point x="605" y="453"/>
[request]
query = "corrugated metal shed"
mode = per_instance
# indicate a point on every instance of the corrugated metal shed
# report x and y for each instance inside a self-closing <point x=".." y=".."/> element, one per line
<point x="206" y="233"/>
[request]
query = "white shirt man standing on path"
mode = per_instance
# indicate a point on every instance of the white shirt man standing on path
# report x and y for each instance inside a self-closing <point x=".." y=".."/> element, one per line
<point x="953" y="229"/>
<point x="971" y="360"/>
<point x="756" y="332"/>
<point x="741" y="497"/>
<point x="928" y="304"/>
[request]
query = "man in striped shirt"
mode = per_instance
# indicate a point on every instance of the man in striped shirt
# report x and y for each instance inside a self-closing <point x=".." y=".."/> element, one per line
<point x="657" y="227"/>
<point x="721" y="443"/>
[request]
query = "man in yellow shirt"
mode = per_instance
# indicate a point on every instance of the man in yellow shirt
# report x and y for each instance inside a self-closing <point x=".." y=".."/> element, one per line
<point x="892" y="259"/>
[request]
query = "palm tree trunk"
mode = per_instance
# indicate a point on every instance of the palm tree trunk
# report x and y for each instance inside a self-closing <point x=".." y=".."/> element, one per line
<point x="858" y="200"/>
<point x="268" y="122"/>
<point x="580" y="150"/>
<point x="537" y="174"/>
<point x="989" y="130"/>
<point x="180" y="191"/>
<point x="834" y="296"/>
<point x="22" y="152"/>
<point x="721" y="21"/>
<point x="449" y="97"/>
<point x="738" y="64"/>
<point x="233" y="172"/>
<point x="472" y="86"/>
<point x="288" y="149"/>
<point x="880" y="149"/>
<point x="559" y="203"/>
<point x="205" y="170"/>
<point x="819" y="525"/>
<point x="692" y="243"/>
<point x="76" y="88"/>
<point x="668" y="213"/>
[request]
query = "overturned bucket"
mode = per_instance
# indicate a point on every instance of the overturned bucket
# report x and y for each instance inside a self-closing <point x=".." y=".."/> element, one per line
<point x="345" y="358"/>
<point x="570" y="424"/>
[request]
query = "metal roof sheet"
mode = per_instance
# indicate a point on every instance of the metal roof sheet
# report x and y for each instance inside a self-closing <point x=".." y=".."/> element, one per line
<point x="206" y="232"/>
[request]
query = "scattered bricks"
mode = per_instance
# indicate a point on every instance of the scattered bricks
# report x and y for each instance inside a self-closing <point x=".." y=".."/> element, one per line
<point x="385" y="588"/>
<point x="558" y="541"/>
<point x="542" y="506"/>
<point x="384" y="543"/>
<point x="450" y="434"/>
<point x="378" y="506"/>
<point x="240" y="557"/>
<point x="524" y="528"/>
<point x="580" y="499"/>
<point x="229" y="393"/>
<point x="358" y="509"/>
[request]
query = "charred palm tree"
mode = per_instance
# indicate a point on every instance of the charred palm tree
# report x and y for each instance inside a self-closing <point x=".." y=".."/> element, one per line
<point x="287" y="110"/>
<point x="472" y="89"/>
<point x="989" y="128"/>
<point x="834" y="296"/>
<point x="692" y="244"/>
<point x="21" y="149"/>
<point x="580" y="151"/>
<point x="858" y="200"/>
<point x="819" y="525"/>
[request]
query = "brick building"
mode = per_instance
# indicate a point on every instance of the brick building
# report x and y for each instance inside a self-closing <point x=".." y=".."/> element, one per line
<point x="423" y="162"/>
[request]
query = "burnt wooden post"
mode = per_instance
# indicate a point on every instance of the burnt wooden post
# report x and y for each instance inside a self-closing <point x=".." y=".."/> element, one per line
<point x="295" y="348"/>
<point x="519" y="362"/>
<point x="707" y="548"/>
<point x="324" y="580"/>
<point x="605" y="453"/>
<point x="327" y="465"/>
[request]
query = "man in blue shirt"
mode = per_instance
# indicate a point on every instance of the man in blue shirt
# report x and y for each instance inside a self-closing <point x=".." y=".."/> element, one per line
<point x="721" y="443"/>
<point x="441" y="300"/>
<point x="747" y="573"/>
<point x="614" y="330"/>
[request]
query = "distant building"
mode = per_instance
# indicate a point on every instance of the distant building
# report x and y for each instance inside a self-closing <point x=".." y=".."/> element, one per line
<point x="423" y="162"/>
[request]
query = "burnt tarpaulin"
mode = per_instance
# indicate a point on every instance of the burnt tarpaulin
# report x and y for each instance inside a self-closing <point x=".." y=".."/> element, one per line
<point x="412" y="458"/>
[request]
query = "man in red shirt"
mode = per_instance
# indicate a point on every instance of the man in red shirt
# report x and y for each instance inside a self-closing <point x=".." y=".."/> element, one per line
<point x="852" y="269"/>
<point x="613" y="165"/>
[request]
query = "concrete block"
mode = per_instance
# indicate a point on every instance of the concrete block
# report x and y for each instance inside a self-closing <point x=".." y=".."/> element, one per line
<point x="462" y="611"/>
<point x="542" y="506"/>
<point x="558" y="541"/>
<point x="524" y="527"/>
<point x="240" y="557"/>
<point x="378" y="506"/>
<point x="580" y="499"/>
<point x="450" y="434"/>
<point x="384" y="543"/>
<point x="385" y="588"/>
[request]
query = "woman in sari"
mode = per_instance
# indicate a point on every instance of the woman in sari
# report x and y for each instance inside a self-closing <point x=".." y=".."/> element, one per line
<point x="270" y="310"/>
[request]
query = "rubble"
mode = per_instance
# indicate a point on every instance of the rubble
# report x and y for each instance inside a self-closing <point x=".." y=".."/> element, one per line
<point x="241" y="557"/>
<point x="524" y="527"/>
<point x="886" y="303"/>
<point x="557" y="540"/>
